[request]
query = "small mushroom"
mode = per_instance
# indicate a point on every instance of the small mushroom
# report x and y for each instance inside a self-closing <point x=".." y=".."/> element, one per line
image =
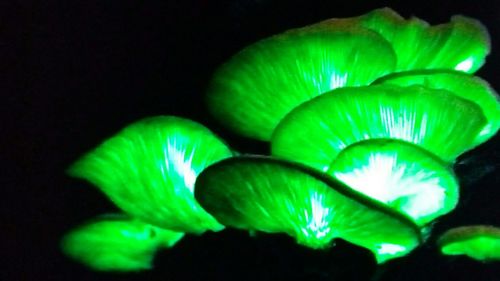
<point x="315" y="132"/>
<point x="400" y="174"/>
<point x="258" y="86"/>
<point x="149" y="168"/>
<point x="480" y="242"/>
<point x="277" y="196"/>
<point x="466" y="86"/>
<point x="117" y="243"/>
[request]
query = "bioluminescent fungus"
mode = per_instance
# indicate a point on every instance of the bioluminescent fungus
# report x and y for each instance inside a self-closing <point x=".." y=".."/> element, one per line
<point x="276" y="196"/>
<point x="480" y="242"/>
<point x="117" y="244"/>
<point x="315" y="132"/>
<point x="402" y="175"/>
<point x="258" y="86"/>
<point x="461" y="84"/>
<point x="462" y="44"/>
<point x="365" y="117"/>
<point x="149" y="169"/>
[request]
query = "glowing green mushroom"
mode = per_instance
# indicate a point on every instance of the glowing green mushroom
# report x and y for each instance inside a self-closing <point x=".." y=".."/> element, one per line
<point x="315" y="132"/>
<point x="462" y="44"/>
<point x="259" y="85"/>
<point x="276" y="196"/>
<point x="149" y="169"/>
<point x="117" y="244"/>
<point x="400" y="174"/>
<point x="461" y="84"/>
<point x="480" y="242"/>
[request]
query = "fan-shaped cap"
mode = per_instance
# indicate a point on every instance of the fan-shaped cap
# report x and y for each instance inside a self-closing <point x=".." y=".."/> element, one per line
<point x="461" y="44"/>
<point x="480" y="242"/>
<point x="275" y="196"/>
<point x="437" y="120"/>
<point x="117" y="244"/>
<point x="400" y="174"/>
<point x="149" y="169"/>
<point x="258" y="86"/>
<point x="466" y="86"/>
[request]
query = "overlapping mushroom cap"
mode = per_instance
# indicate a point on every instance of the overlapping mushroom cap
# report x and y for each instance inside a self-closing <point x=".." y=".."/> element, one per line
<point x="259" y="85"/>
<point x="276" y="196"/>
<point x="149" y="169"/>
<point x="117" y="243"/>
<point x="466" y="86"/>
<point x="405" y="177"/>
<point x="365" y="152"/>
<point x="480" y="242"/>
<point x="462" y="44"/>
<point x="315" y="132"/>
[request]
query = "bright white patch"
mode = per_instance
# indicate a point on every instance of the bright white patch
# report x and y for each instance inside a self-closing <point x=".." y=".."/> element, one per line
<point x="486" y="130"/>
<point x="465" y="66"/>
<point x="389" y="249"/>
<point x="177" y="161"/>
<point x="337" y="81"/>
<point x="404" y="124"/>
<point x="386" y="179"/>
<point x="318" y="218"/>
<point x="377" y="179"/>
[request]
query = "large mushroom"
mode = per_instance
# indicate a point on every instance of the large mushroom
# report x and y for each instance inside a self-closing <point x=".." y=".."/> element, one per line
<point x="464" y="85"/>
<point x="440" y="122"/>
<point x="149" y="168"/>
<point x="258" y="86"/>
<point x="277" y="196"/>
<point x="402" y="175"/>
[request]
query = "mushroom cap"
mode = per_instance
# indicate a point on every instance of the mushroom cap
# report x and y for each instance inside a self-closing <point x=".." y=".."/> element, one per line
<point x="149" y="168"/>
<point x="315" y="132"/>
<point x="117" y="243"/>
<point x="258" y="86"/>
<point x="402" y="175"/>
<point x="277" y="196"/>
<point x="461" y="44"/>
<point x="480" y="242"/>
<point x="466" y="86"/>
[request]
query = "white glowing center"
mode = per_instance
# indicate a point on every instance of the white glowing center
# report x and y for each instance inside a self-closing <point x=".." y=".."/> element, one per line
<point x="177" y="161"/>
<point x="387" y="180"/>
<point x="337" y="81"/>
<point x="404" y="125"/>
<point x="317" y="217"/>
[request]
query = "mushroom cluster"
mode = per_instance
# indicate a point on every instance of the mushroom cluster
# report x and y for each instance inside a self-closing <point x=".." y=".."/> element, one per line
<point x="364" y="116"/>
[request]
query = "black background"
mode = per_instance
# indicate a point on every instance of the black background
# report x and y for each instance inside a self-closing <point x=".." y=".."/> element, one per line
<point x="75" y="72"/>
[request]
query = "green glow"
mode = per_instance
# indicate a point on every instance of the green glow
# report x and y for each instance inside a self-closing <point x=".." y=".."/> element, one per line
<point x="461" y="84"/>
<point x="315" y="132"/>
<point x="462" y="44"/>
<point x="117" y="244"/>
<point x="258" y="86"/>
<point x="480" y="242"/>
<point x="399" y="174"/>
<point x="149" y="168"/>
<point x="276" y="196"/>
